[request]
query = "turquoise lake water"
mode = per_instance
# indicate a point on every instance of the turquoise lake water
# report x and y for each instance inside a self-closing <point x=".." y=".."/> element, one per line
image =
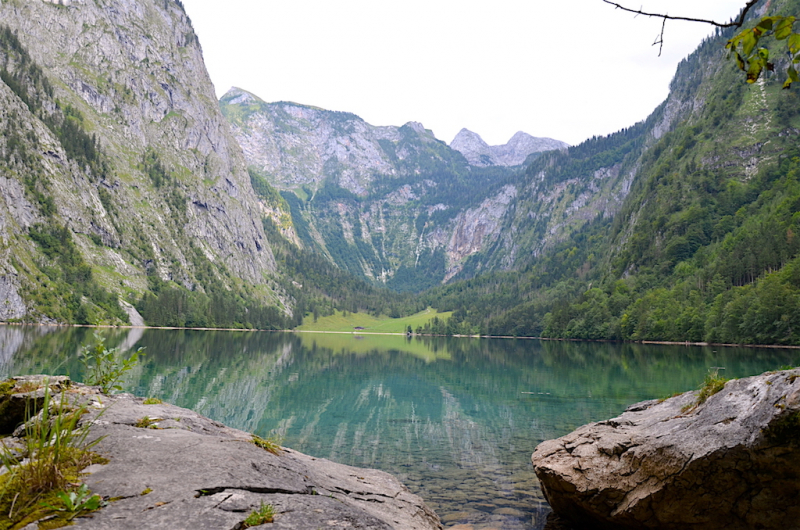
<point x="455" y="419"/>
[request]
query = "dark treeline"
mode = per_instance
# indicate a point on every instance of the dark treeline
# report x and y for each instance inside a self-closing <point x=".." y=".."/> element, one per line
<point x="168" y="304"/>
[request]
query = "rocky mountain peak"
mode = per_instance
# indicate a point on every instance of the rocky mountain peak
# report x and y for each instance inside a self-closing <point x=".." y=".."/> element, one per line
<point x="513" y="153"/>
<point x="475" y="150"/>
<point x="416" y="126"/>
<point x="236" y="96"/>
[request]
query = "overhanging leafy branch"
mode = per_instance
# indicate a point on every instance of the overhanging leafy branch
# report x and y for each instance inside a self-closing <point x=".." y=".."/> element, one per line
<point x="753" y="59"/>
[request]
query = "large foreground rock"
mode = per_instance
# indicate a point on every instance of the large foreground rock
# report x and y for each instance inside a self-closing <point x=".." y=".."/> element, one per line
<point x="192" y="472"/>
<point x="732" y="462"/>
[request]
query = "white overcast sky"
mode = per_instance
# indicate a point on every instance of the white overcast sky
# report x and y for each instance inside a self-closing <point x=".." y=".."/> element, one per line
<point x="565" y="69"/>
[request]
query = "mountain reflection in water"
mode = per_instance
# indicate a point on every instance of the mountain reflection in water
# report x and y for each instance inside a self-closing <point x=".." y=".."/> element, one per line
<point x="455" y="419"/>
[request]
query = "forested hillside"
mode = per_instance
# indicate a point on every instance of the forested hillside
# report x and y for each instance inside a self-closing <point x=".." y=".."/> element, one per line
<point x="704" y="246"/>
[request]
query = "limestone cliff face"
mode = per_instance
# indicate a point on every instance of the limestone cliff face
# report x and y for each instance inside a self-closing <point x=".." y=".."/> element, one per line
<point x="132" y="73"/>
<point x="298" y="145"/>
<point x="475" y="228"/>
<point x="512" y="153"/>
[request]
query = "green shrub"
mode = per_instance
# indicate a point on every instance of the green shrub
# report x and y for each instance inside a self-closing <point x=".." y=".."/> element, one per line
<point x="104" y="367"/>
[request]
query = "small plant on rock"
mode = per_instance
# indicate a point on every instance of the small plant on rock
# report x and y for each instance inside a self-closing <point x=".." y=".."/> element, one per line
<point x="712" y="384"/>
<point x="75" y="503"/>
<point x="152" y="401"/>
<point x="104" y="367"/>
<point x="147" y="423"/>
<point x="271" y="444"/>
<point x="265" y="514"/>
<point x="26" y="386"/>
<point x="56" y="449"/>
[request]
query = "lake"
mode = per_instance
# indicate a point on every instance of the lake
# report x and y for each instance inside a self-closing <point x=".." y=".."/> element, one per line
<point x="456" y="419"/>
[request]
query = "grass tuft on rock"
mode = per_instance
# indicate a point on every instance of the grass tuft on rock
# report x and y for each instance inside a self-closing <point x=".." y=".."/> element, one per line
<point x="265" y="514"/>
<point x="270" y="444"/>
<point x="147" y="423"/>
<point x="46" y="468"/>
<point x="712" y="384"/>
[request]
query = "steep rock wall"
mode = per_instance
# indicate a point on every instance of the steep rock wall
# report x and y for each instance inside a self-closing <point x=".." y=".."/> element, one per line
<point x="134" y="73"/>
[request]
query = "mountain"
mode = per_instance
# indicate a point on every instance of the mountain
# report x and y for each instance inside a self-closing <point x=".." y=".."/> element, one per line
<point x="120" y="178"/>
<point x="396" y="206"/>
<point x="513" y="153"/>
<point x="681" y="227"/>
<point x="298" y="145"/>
<point x="393" y="205"/>
<point x="128" y="194"/>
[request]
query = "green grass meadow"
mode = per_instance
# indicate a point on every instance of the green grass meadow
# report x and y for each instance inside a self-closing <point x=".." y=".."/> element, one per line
<point x="371" y="324"/>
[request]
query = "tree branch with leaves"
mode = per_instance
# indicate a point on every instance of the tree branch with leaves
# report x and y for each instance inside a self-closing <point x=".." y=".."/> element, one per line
<point x="744" y="46"/>
<point x="754" y="59"/>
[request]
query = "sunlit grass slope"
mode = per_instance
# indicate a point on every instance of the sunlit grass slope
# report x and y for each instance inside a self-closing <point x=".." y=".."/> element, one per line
<point x="371" y="324"/>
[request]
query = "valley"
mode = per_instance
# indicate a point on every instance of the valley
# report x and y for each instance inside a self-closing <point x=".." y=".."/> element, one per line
<point x="392" y="205"/>
<point x="371" y="293"/>
<point x="130" y="195"/>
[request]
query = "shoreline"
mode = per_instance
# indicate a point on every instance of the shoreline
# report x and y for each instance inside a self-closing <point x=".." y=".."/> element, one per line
<point x="379" y="333"/>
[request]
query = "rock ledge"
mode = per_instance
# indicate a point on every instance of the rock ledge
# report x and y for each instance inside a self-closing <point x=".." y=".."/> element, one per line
<point x="193" y="472"/>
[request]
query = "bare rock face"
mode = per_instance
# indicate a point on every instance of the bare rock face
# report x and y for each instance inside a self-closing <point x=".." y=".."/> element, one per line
<point x="476" y="228"/>
<point x="732" y="462"/>
<point x="299" y="145"/>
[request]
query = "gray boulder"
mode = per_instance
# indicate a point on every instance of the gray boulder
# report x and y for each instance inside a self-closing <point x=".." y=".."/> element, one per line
<point x="184" y="470"/>
<point x="732" y="462"/>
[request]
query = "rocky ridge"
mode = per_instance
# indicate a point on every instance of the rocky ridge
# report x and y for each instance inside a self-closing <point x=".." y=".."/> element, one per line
<point x="418" y="212"/>
<point x="513" y="153"/>
<point x="299" y="145"/>
<point x="392" y="204"/>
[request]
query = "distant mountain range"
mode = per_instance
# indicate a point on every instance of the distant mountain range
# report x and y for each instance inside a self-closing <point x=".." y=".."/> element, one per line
<point x="513" y="153"/>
